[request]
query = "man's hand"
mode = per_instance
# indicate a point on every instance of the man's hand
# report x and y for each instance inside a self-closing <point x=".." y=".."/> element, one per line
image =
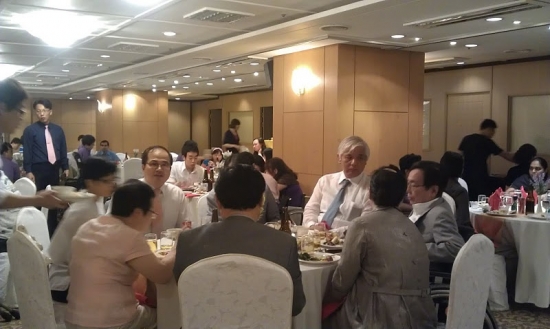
<point x="48" y="199"/>
<point x="30" y="176"/>
<point x="66" y="173"/>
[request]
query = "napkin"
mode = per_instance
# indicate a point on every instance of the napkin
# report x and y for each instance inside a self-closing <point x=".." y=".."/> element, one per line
<point x="494" y="200"/>
<point x="523" y="193"/>
<point x="536" y="197"/>
<point x="329" y="308"/>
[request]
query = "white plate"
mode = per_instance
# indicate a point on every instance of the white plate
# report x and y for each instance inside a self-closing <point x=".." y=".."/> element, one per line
<point x="327" y="247"/>
<point x="537" y="216"/>
<point x="335" y="259"/>
<point x="496" y="213"/>
<point x="75" y="196"/>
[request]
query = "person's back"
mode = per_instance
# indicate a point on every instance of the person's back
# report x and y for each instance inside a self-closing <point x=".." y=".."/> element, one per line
<point x="476" y="148"/>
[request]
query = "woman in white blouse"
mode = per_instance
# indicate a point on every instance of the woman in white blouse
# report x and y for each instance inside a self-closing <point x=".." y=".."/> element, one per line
<point x="99" y="178"/>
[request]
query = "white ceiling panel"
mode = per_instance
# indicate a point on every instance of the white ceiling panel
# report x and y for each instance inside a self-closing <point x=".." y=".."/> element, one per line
<point x="30" y="50"/>
<point x="95" y="55"/>
<point x="21" y="60"/>
<point x="19" y="37"/>
<point x="118" y="7"/>
<point x="299" y="5"/>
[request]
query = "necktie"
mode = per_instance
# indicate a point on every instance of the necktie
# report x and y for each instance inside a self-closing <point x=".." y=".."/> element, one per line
<point x="334" y="207"/>
<point x="49" y="146"/>
<point x="156" y="224"/>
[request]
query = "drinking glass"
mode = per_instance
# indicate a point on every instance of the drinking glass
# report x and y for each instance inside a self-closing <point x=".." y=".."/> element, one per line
<point x="481" y="199"/>
<point x="166" y="240"/>
<point x="308" y="244"/>
<point x="151" y="241"/>
<point x="506" y="202"/>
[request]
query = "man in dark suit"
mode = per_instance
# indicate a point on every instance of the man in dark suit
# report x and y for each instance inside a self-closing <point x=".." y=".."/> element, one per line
<point x="239" y="197"/>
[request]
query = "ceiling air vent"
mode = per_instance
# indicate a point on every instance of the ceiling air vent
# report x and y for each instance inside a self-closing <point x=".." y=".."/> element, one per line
<point x="133" y="47"/>
<point x="214" y="15"/>
<point x="52" y="76"/>
<point x="80" y="65"/>
<point x="245" y="86"/>
<point x="481" y="13"/>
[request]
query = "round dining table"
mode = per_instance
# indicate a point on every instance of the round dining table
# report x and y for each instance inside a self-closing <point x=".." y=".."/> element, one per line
<point x="531" y="238"/>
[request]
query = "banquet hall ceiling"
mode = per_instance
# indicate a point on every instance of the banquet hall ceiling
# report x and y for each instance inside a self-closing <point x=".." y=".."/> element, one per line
<point x="210" y="39"/>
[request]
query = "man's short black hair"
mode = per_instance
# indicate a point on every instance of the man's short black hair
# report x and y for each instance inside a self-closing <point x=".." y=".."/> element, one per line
<point x="406" y="161"/>
<point x="104" y="142"/>
<point x="80" y="137"/>
<point x="387" y="187"/>
<point x="132" y="195"/>
<point x="97" y="168"/>
<point x="88" y="140"/>
<point x="189" y="147"/>
<point x="452" y="164"/>
<point x="432" y="175"/>
<point x="488" y="123"/>
<point x="240" y="187"/>
<point x="259" y="162"/>
<point x="145" y="154"/>
<point x="5" y="148"/>
<point x="46" y="102"/>
<point x="243" y="158"/>
<point x="234" y="123"/>
<point x="16" y="140"/>
<point x="12" y="94"/>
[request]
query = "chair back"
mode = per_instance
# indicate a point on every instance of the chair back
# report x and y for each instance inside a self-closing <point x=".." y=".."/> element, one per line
<point x="132" y="169"/>
<point x="470" y="282"/>
<point x="296" y="214"/>
<point x="235" y="291"/>
<point x="73" y="164"/>
<point x="44" y="209"/>
<point x="202" y="210"/>
<point x="25" y="186"/>
<point x="35" y="225"/>
<point x="174" y="156"/>
<point x="450" y="201"/>
<point x="121" y="156"/>
<point x="32" y="286"/>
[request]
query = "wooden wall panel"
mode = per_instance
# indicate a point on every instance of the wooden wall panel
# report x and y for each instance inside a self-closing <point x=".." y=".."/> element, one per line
<point x="278" y="104"/>
<point x="139" y="135"/>
<point x="179" y="125"/>
<point x="200" y="120"/>
<point x="162" y="120"/>
<point x="416" y="100"/>
<point x="386" y="134"/>
<point x="381" y="80"/>
<point x="302" y="149"/>
<point x="308" y="182"/>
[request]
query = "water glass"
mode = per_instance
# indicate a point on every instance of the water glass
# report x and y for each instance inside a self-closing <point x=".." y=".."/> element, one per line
<point x="166" y="240"/>
<point x="481" y="199"/>
<point x="151" y="241"/>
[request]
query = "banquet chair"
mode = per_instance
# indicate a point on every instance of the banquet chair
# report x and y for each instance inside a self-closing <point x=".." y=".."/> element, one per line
<point x="35" y="224"/>
<point x="32" y="285"/>
<point x="73" y="165"/>
<point x="235" y="291"/>
<point x="132" y="169"/>
<point x="44" y="209"/>
<point x="202" y="209"/>
<point x="468" y="291"/>
<point x="174" y="156"/>
<point x="121" y="156"/>
<point x="25" y="186"/>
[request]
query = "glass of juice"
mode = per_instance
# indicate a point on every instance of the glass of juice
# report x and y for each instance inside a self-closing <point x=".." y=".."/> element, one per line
<point x="151" y="241"/>
<point x="166" y="240"/>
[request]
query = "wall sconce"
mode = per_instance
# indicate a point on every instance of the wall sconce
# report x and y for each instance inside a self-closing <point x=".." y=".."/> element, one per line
<point x="102" y="106"/>
<point x="303" y="80"/>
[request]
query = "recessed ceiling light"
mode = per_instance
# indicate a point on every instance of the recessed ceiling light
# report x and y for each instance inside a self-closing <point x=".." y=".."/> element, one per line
<point x="185" y="87"/>
<point x="165" y="90"/>
<point x="200" y="77"/>
<point x="105" y="56"/>
<point x="161" y="80"/>
<point x="471" y="45"/>
<point x="493" y="19"/>
<point x="177" y="98"/>
<point x="173" y="87"/>
<point x="223" y="79"/>
<point x="154" y="90"/>
<point x="38" y="80"/>
<point x="209" y="84"/>
<point x="176" y="82"/>
<point x="65" y="71"/>
<point x="196" y="83"/>
<point x="217" y="70"/>
<point x="238" y="80"/>
<point x="186" y="76"/>
<point x="397" y="36"/>
<point x="452" y="43"/>
<point x="417" y="39"/>
<point x="460" y="63"/>
<point x="169" y="33"/>
<point x="153" y="86"/>
<point x="123" y="86"/>
<point x="232" y="72"/>
<point x="256" y="74"/>
<point x="99" y="65"/>
<point x="70" y="98"/>
<point x="254" y="63"/>
<point x="88" y="97"/>
<point x="517" y="22"/>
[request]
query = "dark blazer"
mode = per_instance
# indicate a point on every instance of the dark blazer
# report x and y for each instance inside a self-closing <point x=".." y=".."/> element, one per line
<point x="270" y="210"/>
<point x="462" y="213"/>
<point x="241" y="235"/>
<point x="440" y="232"/>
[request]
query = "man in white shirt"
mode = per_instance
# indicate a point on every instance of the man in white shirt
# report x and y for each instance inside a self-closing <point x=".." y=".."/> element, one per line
<point x="431" y="214"/>
<point x="186" y="173"/>
<point x="340" y="197"/>
<point x="170" y="205"/>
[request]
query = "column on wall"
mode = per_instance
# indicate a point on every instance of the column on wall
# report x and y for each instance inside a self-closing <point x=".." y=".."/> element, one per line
<point x="322" y="95"/>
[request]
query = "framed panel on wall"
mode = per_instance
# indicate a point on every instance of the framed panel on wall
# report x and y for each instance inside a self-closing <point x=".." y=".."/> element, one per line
<point x="246" y="130"/>
<point x="528" y="122"/>
<point x="426" y="114"/>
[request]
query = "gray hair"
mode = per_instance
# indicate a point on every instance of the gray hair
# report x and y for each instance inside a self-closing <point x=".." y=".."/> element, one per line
<point x="351" y="142"/>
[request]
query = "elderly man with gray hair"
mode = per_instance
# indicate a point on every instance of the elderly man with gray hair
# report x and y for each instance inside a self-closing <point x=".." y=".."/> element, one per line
<point x="340" y="197"/>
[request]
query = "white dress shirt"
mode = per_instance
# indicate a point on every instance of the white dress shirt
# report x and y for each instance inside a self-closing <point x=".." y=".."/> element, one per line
<point x="419" y="209"/>
<point x="180" y="174"/>
<point x="272" y="184"/>
<point x="356" y="199"/>
<point x="463" y="183"/>
<point x="174" y="210"/>
<point x="60" y="247"/>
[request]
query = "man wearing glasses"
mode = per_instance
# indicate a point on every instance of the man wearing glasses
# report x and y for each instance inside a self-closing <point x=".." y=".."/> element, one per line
<point x="45" y="153"/>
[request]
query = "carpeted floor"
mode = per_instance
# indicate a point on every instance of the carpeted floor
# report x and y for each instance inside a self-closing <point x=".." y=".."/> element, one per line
<point x="520" y="317"/>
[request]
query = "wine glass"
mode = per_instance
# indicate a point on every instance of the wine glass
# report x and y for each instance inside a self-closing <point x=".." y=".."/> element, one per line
<point x="481" y="199"/>
<point x="151" y="241"/>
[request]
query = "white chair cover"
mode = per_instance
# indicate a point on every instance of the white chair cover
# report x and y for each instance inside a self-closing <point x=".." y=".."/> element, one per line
<point x="498" y="295"/>
<point x="470" y="282"/>
<point x="44" y="209"/>
<point x="35" y="225"/>
<point x="132" y="169"/>
<point x="450" y="201"/>
<point x="202" y="209"/>
<point x="235" y="291"/>
<point x="174" y="156"/>
<point x="25" y="186"/>
<point x="30" y="275"/>
<point x="121" y="156"/>
<point x="73" y="164"/>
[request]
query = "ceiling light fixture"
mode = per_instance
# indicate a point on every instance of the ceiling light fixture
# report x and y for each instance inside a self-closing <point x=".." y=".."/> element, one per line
<point x="176" y="82"/>
<point x="66" y="71"/>
<point x="196" y="83"/>
<point x="460" y="63"/>
<point x="153" y="86"/>
<point x="209" y="84"/>
<point x="177" y="98"/>
<point x="254" y="63"/>
<point x="334" y="28"/>
<point x="471" y="45"/>
<point x="452" y="43"/>
<point x="161" y="80"/>
<point x="105" y="56"/>
<point x="223" y="79"/>
<point x="7" y="70"/>
<point x="217" y="70"/>
<point x="169" y="33"/>
<point x="493" y="19"/>
<point x="256" y="74"/>
<point x="185" y="87"/>
<point x="88" y="97"/>
<point x="238" y="80"/>
<point x="38" y="80"/>
<point x="64" y="28"/>
<point x="123" y="86"/>
<point x="99" y="65"/>
<point x="517" y="22"/>
<point x="154" y="90"/>
<point x="186" y="76"/>
<point x="417" y="39"/>
<point x="70" y="98"/>
<point x="173" y="87"/>
<point x="232" y="72"/>
<point x="397" y="36"/>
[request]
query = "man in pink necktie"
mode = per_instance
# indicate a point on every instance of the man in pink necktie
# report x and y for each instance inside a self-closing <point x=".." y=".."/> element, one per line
<point x="45" y="152"/>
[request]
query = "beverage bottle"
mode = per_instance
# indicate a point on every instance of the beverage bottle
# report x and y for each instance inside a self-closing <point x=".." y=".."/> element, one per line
<point x="285" y="221"/>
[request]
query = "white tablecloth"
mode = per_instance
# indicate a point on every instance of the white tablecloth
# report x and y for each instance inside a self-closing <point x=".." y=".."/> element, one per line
<point x="314" y="280"/>
<point x="532" y="240"/>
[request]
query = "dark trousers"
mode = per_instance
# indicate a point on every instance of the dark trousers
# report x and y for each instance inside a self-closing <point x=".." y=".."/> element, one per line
<point x="47" y="174"/>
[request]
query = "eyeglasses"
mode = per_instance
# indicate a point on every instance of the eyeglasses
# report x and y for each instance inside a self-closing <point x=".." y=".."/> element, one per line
<point x="155" y="164"/>
<point x="413" y="185"/>
<point x="111" y="181"/>
<point x="42" y="111"/>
